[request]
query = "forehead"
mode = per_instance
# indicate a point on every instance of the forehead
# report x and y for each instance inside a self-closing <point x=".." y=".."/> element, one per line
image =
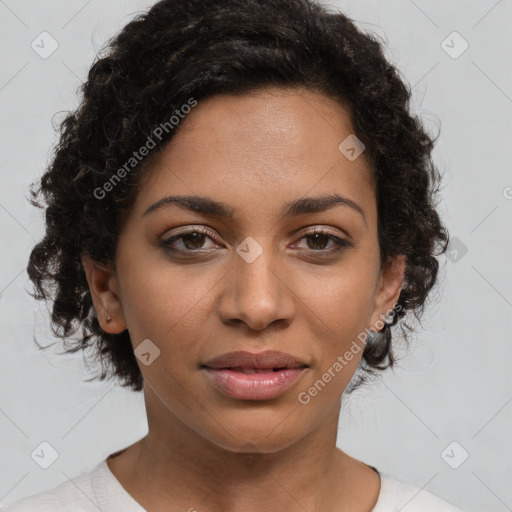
<point x="261" y="149"/>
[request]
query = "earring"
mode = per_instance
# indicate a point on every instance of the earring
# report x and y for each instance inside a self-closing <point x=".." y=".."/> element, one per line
<point x="108" y="319"/>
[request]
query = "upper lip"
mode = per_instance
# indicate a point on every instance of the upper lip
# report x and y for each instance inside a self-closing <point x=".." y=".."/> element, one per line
<point x="270" y="359"/>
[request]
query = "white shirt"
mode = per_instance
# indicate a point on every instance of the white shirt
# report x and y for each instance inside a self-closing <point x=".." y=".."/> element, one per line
<point x="100" y="490"/>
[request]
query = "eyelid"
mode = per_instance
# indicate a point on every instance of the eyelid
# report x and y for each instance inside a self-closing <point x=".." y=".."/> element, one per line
<point x="323" y="228"/>
<point x="304" y="231"/>
<point x="340" y="243"/>
<point x="203" y="230"/>
<point x="191" y="229"/>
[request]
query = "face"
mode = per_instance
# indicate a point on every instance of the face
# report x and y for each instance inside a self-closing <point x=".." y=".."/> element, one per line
<point x="260" y="276"/>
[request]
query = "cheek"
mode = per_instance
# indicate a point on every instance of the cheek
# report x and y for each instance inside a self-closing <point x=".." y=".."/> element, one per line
<point x="343" y="298"/>
<point x="343" y="301"/>
<point x="164" y="302"/>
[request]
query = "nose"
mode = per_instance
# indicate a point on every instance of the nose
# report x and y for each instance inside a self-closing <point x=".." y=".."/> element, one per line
<point x="258" y="293"/>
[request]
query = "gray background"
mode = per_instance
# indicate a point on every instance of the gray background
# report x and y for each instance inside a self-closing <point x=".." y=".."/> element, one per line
<point x="455" y="384"/>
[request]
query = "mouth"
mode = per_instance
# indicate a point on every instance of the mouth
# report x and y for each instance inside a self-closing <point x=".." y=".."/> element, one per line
<point x="248" y="370"/>
<point x="247" y="362"/>
<point x="248" y="376"/>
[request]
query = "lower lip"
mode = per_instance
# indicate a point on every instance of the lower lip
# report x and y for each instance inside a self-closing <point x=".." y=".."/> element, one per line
<point x="254" y="386"/>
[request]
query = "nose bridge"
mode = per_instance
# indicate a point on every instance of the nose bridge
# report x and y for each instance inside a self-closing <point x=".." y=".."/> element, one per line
<point x="258" y="277"/>
<point x="257" y="294"/>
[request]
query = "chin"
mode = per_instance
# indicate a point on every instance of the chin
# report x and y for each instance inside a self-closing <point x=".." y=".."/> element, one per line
<point x="250" y="433"/>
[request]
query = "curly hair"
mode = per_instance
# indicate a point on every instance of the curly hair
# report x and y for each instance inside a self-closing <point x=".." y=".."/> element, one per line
<point x="196" y="49"/>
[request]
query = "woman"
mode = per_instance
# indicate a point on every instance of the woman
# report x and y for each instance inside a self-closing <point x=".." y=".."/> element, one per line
<point x="239" y="214"/>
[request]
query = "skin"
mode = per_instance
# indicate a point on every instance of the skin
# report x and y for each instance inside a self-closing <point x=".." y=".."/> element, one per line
<point x="204" y="450"/>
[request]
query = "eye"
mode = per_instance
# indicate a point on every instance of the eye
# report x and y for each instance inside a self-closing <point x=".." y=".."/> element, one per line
<point x="191" y="240"/>
<point x="319" y="238"/>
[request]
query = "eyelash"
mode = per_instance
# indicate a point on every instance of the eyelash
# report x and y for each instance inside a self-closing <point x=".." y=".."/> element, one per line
<point x="340" y="243"/>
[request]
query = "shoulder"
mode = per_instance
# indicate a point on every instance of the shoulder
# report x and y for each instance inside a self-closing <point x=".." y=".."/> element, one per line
<point x="77" y="491"/>
<point x="396" y="495"/>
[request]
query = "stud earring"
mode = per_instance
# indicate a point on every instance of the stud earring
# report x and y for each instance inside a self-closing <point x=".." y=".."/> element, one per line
<point x="108" y="319"/>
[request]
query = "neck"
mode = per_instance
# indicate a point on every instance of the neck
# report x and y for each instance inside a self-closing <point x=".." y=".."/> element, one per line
<point x="175" y="467"/>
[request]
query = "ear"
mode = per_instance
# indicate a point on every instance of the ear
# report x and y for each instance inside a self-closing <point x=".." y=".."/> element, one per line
<point x="104" y="288"/>
<point x="388" y="290"/>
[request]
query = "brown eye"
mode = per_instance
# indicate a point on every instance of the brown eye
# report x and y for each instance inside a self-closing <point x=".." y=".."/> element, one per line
<point x="191" y="241"/>
<point x="319" y="239"/>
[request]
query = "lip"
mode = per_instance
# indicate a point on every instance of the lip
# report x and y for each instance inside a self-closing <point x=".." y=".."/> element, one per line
<point x="271" y="373"/>
<point x="269" y="359"/>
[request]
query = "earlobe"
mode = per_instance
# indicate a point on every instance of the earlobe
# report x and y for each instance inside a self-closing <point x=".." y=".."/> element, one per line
<point x="102" y="280"/>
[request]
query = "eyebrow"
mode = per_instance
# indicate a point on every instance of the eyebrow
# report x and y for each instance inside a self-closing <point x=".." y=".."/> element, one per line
<point x="207" y="206"/>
